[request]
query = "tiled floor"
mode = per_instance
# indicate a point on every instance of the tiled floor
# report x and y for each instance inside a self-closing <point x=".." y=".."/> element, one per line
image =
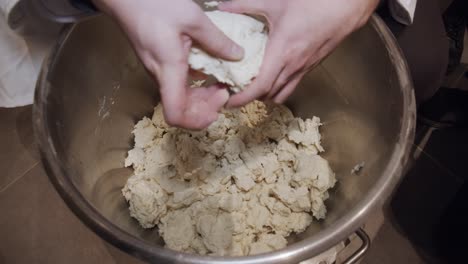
<point x="439" y="169"/>
<point x="35" y="224"/>
<point x="414" y="213"/>
<point x="16" y="128"/>
<point x="390" y="247"/>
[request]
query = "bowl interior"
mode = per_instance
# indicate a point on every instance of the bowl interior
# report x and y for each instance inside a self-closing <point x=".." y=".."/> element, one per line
<point x="97" y="90"/>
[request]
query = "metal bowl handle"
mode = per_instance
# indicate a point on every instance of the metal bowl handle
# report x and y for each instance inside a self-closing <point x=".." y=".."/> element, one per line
<point x="356" y="256"/>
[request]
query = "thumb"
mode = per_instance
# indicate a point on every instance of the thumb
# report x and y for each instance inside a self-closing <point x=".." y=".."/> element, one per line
<point x="190" y="108"/>
<point x="215" y="42"/>
<point x="173" y="90"/>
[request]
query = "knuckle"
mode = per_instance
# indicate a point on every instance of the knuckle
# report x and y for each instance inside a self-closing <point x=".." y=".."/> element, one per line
<point x="264" y="89"/>
<point x="150" y="65"/>
<point x="174" y="119"/>
<point x="295" y="51"/>
<point x="194" y="21"/>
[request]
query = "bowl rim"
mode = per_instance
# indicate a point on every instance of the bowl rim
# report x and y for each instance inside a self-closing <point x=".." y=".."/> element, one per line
<point x="299" y="251"/>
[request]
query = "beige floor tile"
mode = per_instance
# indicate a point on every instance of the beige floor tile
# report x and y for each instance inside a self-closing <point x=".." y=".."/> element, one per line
<point x="37" y="227"/>
<point x="121" y="257"/>
<point x="390" y="247"/>
<point x="18" y="154"/>
<point x="371" y="227"/>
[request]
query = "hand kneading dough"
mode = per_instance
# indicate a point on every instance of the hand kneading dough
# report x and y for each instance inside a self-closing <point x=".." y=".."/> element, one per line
<point x="238" y="188"/>
<point x="245" y="31"/>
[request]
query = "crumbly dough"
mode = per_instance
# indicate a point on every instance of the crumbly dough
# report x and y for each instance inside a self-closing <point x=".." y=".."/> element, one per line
<point x="238" y="188"/>
<point x="211" y="4"/>
<point x="245" y="31"/>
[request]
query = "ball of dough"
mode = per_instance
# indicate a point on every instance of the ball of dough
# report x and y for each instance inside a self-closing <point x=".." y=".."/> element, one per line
<point x="245" y="31"/>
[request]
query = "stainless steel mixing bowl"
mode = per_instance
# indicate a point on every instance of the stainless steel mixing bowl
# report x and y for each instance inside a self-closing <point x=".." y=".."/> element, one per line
<point x="93" y="89"/>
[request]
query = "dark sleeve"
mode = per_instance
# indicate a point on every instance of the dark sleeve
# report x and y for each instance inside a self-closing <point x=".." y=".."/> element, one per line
<point x="382" y="3"/>
<point x="85" y="5"/>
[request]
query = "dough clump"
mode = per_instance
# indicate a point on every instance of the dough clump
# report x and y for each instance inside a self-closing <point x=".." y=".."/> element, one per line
<point x="238" y="188"/>
<point x="247" y="32"/>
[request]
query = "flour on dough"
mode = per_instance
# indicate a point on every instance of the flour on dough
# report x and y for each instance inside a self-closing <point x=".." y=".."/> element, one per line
<point x="247" y="32"/>
<point x="211" y="4"/>
<point x="238" y="188"/>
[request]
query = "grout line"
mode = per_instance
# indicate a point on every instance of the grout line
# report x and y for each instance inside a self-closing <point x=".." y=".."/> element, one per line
<point x="439" y="164"/>
<point x="20" y="177"/>
<point x="108" y="250"/>
<point x="423" y="142"/>
<point x="420" y="150"/>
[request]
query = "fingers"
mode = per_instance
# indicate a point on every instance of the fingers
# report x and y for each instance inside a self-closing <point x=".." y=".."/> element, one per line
<point x="261" y="85"/>
<point x="281" y="81"/>
<point x="172" y="81"/>
<point x="288" y="79"/>
<point x="212" y="99"/>
<point x="183" y="106"/>
<point x="286" y="76"/>
<point x="289" y="88"/>
<point x="214" y="41"/>
<point x="190" y="108"/>
<point x="203" y="106"/>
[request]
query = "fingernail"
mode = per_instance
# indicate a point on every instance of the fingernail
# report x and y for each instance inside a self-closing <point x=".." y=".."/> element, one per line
<point x="224" y="95"/>
<point x="238" y="51"/>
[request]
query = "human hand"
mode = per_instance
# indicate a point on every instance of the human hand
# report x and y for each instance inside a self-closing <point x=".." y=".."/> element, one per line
<point x="302" y="33"/>
<point x="162" y="33"/>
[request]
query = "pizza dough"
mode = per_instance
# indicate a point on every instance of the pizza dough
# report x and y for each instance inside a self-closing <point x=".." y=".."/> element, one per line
<point x="240" y="187"/>
<point x="247" y="32"/>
